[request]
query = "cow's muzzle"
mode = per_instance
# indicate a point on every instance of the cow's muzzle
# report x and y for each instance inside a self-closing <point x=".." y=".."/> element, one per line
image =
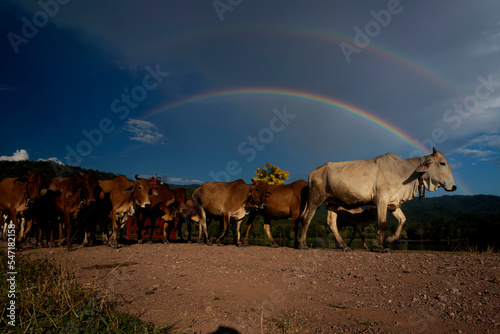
<point x="453" y="188"/>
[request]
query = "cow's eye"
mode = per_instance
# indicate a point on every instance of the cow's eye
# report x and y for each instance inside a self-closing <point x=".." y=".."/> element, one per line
<point x="442" y="164"/>
<point x="140" y="188"/>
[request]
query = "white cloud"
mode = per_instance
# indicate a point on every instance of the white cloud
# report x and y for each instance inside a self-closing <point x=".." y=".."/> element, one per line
<point x="180" y="180"/>
<point x="53" y="159"/>
<point x="19" y="155"/>
<point x="143" y="131"/>
<point x="483" y="148"/>
<point x="488" y="44"/>
<point x="479" y="154"/>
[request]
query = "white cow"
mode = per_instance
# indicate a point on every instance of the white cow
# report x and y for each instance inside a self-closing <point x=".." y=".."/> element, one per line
<point x="386" y="181"/>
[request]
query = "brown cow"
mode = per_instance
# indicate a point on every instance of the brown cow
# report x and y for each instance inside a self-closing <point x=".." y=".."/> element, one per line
<point x="76" y="192"/>
<point x="17" y="194"/>
<point x="124" y="194"/>
<point x="161" y="207"/>
<point x="45" y="215"/>
<point x="229" y="200"/>
<point x="184" y="210"/>
<point x="358" y="219"/>
<point x="285" y="201"/>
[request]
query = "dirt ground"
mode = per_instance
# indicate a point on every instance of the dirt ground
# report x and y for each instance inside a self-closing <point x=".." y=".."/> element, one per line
<point x="257" y="289"/>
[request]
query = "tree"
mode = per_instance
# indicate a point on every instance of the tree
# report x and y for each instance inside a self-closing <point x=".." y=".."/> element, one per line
<point x="272" y="174"/>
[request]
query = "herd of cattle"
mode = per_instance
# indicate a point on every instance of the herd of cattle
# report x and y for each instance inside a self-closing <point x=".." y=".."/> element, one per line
<point x="70" y="207"/>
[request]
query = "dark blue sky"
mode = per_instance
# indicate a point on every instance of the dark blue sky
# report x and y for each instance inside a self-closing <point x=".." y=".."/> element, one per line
<point x="84" y="83"/>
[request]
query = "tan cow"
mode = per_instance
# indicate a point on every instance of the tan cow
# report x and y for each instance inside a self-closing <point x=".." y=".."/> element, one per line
<point x="386" y="181"/>
<point x="229" y="200"/>
<point x="285" y="201"/>
<point x="75" y="193"/>
<point x="17" y="195"/>
<point x="124" y="194"/>
<point x="161" y="207"/>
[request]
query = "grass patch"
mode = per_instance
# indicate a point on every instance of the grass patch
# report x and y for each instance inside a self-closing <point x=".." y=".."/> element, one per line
<point x="49" y="299"/>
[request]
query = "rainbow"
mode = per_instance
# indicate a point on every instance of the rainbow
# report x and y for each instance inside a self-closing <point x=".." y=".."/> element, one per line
<point x="336" y="103"/>
<point x="302" y="95"/>
<point x="325" y="36"/>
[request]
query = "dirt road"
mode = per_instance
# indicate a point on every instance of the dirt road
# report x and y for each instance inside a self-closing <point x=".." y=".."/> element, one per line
<point x="225" y="289"/>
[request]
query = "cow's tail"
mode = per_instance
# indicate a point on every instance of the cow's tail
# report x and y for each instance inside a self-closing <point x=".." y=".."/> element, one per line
<point x="303" y="201"/>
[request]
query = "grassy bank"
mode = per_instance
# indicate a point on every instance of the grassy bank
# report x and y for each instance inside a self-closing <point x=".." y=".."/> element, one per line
<point x="49" y="299"/>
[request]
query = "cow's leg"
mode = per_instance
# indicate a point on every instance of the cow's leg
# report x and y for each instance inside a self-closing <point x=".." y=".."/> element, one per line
<point x="401" y="224"/>
<point x="29" y="225"/>
<point x="313" y="203"/>
<point x="227" y="221"/>
<point x="237" y="234"/>
<point x="332" y="222"/>
<point x="203" y="227"/>
<point x="165" y="232"/>
<point x="139" y="220"/>
<point x="382" y="225"/>
<point x="69" y="230"/>
<point x="360" y="228"/>
<point x="267" y="228"/>
<point x="353" y="234"/>
<point x="296" y="225"/>
<point x="189" y="226"/>
<point x="152" y="226"/>
<point x="250" y="220"/>
<point x="61" y="233"/>
<point x="113" y="242"/>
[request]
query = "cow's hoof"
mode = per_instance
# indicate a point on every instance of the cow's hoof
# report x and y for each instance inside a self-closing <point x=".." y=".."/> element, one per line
<point x="242" y="245"/>
<point x="347" y="249"/>
<point x="139" y="241"/>
<point x="166" y="243"/>
<point x="69" y="249"/>
<point x="275" y="245"/>
<point x="150" y="242"/>
<point x="304" y="248"/>
<point x="387" y="250"/>
<point x="209" y="243"/>
<point x="114" y="246"/>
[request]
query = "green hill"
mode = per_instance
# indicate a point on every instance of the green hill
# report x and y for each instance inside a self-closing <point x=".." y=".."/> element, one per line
<point x="47" y="168"/>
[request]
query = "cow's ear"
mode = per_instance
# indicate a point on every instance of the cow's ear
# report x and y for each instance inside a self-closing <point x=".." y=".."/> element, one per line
<point x="129" y="190"/>
<point x="434" y="151"/>
<point x="154" y="192"/>
<point x="425" y="166"/>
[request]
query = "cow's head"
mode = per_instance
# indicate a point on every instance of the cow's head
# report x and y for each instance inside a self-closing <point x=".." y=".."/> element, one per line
<point x="34" y="182"/>
<point x="181" y="201"/>
<point x="140" y="191"/>
<point x="435" y="172"/>
<point x="257" y="195"/>
<point x="89" y="187"/>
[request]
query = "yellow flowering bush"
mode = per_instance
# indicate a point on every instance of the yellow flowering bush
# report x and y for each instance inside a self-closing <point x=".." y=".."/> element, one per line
<point x="272" y="174"/>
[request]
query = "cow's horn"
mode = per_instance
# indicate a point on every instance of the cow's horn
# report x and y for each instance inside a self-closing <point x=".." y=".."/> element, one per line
<point x="137" y="177"/>
<point x="434" y="150"/>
